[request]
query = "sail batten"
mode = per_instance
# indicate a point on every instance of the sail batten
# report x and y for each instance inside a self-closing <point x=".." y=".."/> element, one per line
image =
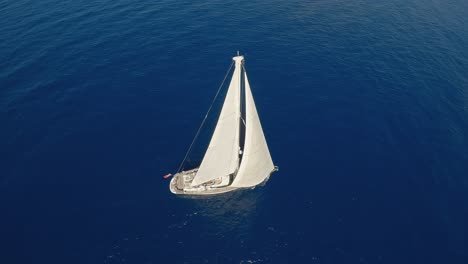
<point x="221" y="157"/>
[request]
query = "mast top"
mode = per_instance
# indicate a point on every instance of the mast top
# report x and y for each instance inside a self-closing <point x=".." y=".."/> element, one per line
<point x="238" y="59"/>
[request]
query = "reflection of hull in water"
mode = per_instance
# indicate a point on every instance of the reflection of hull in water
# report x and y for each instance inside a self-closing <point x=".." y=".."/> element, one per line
<point x="181" y="184"/>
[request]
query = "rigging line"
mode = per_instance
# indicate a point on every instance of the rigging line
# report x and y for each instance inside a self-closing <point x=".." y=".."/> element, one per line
<point x="204" y="119"/>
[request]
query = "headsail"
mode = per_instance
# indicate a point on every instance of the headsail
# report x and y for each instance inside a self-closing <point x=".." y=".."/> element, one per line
<point x="222" y="155"/>
<point x="256" y="163"/>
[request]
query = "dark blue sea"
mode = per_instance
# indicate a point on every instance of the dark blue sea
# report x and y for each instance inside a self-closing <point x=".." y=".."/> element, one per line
<point x="364" y="105"/>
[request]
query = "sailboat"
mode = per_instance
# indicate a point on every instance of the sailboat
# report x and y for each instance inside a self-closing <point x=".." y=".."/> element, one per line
<point x="237" y="156"/>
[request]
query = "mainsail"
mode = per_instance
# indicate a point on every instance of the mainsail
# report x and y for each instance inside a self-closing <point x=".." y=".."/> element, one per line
<point x="222" y="155"/>
<point x="256" y="163"/>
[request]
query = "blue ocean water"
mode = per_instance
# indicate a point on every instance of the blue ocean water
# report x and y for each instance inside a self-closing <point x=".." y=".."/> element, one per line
<point x="364" y="106"/>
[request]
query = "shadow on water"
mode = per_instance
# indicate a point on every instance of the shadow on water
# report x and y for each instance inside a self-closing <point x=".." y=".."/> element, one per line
<point x="232" y="218"/>
<point x="229" y="213"/>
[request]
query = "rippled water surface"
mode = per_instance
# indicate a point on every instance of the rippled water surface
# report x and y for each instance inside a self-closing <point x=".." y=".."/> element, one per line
<point x="364" y="105"/>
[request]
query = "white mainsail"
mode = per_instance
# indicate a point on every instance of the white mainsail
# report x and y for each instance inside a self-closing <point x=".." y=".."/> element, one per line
<point x="256" y="164"/>
<point x="222" y="155"/>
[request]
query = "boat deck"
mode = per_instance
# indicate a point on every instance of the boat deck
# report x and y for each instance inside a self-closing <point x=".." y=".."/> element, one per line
<point x="180" y="184"/>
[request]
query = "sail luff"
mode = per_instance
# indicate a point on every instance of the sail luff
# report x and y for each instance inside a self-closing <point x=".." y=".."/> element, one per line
<point x="256" y="163"/>
<point x="221" y="157"/>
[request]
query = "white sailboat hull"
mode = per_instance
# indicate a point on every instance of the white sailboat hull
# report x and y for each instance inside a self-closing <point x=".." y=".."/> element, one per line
<point x="181" y="185"/>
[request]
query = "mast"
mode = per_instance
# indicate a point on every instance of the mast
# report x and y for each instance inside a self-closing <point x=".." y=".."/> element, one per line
<point x="242" y="113"/>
